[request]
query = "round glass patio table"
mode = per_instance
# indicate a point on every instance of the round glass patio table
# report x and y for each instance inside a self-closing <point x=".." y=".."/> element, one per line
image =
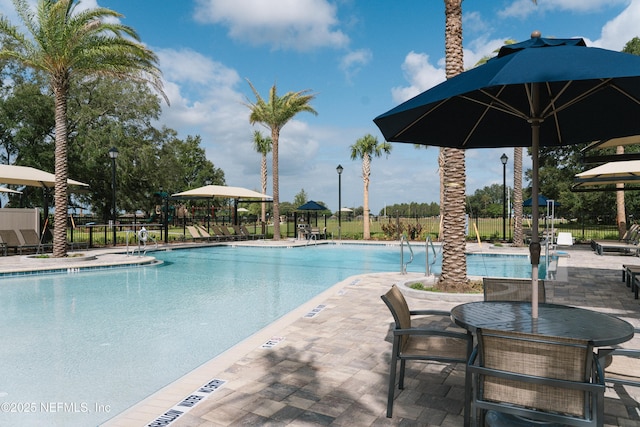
<point x="553" y="320"/>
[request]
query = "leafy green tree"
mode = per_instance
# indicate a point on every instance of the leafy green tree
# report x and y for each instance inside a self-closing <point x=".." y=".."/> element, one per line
<point x="300" y="198"/>
<point x="274" y="113"/>
<point x="365" y="148"/>
<point x="62" y="44"/>
<point x="263" y="146"/>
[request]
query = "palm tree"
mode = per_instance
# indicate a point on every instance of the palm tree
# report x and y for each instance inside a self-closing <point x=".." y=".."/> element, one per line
<point x="364" y="149"/>
<point x="263" y="146"/>
<point x="64" y="44"/>
<point x="274" y="114"/>
<point x="454" y="260"/>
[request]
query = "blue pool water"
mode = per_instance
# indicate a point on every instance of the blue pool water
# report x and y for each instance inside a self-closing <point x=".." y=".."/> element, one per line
<point x="80" y="348"/>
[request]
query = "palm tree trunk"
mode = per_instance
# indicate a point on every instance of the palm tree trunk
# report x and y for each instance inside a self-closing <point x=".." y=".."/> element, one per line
<point x="61" y="173"/>
<point x="263" y="172"/>
<point x="275" y="135"/>
<point x="454" y="259"/>
<point x="518" y="235"/>
<point x="366" y="173"/>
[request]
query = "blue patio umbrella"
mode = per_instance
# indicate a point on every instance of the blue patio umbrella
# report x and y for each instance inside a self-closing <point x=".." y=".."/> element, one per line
<point x="542" y="201"/>
<point x="540" y="92"/>
<point x="311" y="206"/>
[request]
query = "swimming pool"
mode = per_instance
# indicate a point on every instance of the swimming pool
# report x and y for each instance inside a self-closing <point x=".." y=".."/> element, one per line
<point x="82" y="347"/>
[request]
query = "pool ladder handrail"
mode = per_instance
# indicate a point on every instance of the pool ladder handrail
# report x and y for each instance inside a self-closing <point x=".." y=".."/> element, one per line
<point x="403" y="265"/>
<point x="427" y="242"/>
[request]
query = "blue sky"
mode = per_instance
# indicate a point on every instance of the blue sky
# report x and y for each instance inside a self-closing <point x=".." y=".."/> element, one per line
<point x="361" y="58"/>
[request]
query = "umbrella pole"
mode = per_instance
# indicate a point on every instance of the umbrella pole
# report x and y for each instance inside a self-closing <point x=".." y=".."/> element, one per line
<point x="534" y="247"/>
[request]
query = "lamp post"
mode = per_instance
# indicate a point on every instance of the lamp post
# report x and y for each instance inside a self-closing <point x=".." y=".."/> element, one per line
<point x="504" y="160"/>
<point x="339" y="169"/>
<point x="113" y="155"/>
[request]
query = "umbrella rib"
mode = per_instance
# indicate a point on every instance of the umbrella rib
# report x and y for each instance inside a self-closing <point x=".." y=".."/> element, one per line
<point x="422" y="116"/>
<point x="503" y="107"/>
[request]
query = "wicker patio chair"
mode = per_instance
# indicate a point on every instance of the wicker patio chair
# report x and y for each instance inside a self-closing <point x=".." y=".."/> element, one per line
<point x="411" y="343"/>
<point x="506" y="289"/>
<point x="527" y="377"/>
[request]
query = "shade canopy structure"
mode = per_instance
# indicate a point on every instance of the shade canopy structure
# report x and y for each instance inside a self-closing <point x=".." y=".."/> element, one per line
<point x="540" y="92"/>
<point x="209" y="191"/>
<point x="10" y="191"/>
<point x="312" y="206"/>
<point x="625" y="172"/>
<point x="542" y="201"/>
<point x="25" y="175"/>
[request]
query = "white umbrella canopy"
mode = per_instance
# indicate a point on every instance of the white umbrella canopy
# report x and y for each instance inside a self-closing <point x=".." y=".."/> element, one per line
<point x="25" y="175"/>
<point x="8" y="190"/>
<point x="626" y="172"/>
<point x="222" y="191"/>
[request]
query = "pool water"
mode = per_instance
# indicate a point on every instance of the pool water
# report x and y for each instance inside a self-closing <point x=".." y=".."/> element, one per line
<point x="82" y="347"/>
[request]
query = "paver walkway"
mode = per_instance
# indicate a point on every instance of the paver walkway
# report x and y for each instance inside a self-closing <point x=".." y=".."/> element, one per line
<point x="331" y="368"/>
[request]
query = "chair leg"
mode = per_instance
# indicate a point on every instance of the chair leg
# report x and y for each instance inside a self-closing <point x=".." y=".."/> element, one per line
<point x="392" y="383"/>
<point x="401" y="382"/>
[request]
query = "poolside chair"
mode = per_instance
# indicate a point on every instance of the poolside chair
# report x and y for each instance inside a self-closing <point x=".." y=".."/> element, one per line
<point x="251" y="235"/>
<point x="30" y="238"/>
<point x="195" y="234"/>
<point x="239" y="234"/>
<point x="411" y="343"/>
<point x="564" y="239"/>
<point x="11" y="240"/>
<point x="519" y="377"/>
<point x="205" y="234"/>
<point x="511" y="289"/>
<point x="222" y="233"/>
<point x="628" y="242"/>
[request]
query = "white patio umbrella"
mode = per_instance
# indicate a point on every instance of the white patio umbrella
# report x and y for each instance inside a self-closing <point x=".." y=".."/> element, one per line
<point x="25" y="175"/>
<point x="626" y="172"/>
<point x="8" y="190"/>
<point x="222" y="191"/>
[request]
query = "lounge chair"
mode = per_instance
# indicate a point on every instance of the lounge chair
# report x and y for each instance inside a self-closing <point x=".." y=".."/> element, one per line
<point x="535" y="377"/>
<point x="30" y="238"/>
<point x="508" y="289"/>
<point x="631" y="248"/>
<point x="11" y="240"/>
<point x="629" y="237"/>
<point x="251" y="235"/>
<point x="205" y="234"/>
<point x="239" y="234"/>
<point x="412" y="343"/>
<point x="195" y="234"/>
<point x="224" y="231"/>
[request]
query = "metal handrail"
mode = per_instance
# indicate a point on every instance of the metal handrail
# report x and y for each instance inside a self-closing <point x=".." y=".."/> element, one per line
<point x="403" y="265"/>
<point x="427" y="269"/>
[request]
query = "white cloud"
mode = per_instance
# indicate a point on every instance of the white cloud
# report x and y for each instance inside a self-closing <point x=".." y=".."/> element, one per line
<point x="282" y="24"/>
<point x="352" y="62"/>
<point x="420" y="74"/>
<point x="617" y="32"/>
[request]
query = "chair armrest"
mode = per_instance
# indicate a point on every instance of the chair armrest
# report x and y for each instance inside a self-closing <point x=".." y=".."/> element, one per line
<point x="431" y="312"/>
<point x="433" y="332"/>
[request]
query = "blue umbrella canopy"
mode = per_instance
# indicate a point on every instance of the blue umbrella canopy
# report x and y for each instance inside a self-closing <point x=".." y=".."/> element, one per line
<point x="572" y="92"/>
<point x="548" y="92"/>
<point x="542" y="201"/>
<point x="311" y="206"/>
